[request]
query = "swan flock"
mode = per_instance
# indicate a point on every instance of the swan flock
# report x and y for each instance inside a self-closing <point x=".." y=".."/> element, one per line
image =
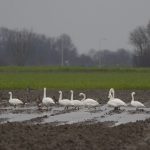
<point x="116" y="103"/>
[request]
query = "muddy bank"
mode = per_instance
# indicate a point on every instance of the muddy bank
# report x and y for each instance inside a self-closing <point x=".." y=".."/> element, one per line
<point x="76" y="136"/>
<point x="30" y="95"/>
<point x="57" y="115"/>
<point x="23" y="134"/>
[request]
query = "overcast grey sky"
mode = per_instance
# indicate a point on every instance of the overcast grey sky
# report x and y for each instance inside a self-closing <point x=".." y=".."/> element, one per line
<point x="88" y="22"/>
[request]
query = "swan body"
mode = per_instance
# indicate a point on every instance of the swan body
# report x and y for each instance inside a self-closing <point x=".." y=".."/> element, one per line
<point x="64" y="102"/>
<point x="14" y="101"/>
<point x="114" y="102"/>
<point x="88" y="101"/>
<point x="47" y="101"/>
<point x="76" y="103"/>
<point x="134" y="103"/>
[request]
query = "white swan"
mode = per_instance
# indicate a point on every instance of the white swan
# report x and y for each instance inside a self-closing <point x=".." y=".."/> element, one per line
<point x="14" y="101"/>
<point x="47" y="101"/>
<point x="64" y="102"/>
<point x="134" y="103"/>
<point x="115" y="102"/>
<point x="76" y="103"/>
<point x="88" y="101"/>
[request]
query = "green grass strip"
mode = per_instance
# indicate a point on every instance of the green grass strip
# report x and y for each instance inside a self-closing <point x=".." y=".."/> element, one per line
<point x="119" y="79"/>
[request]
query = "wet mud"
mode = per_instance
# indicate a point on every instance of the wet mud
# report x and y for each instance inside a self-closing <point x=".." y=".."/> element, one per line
<point x="27" y="127"/>
<point x="78" y="136"/>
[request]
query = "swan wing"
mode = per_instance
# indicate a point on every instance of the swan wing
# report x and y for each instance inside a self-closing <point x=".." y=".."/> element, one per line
<point x="15" y="101"/>
<point x="90" y="102"/>
<point x="120" y="102"/>
<point x="112" y="103"/>
<point x="48" y="101"/>
<point x="77" y="103"/>
<point x="137" y="104"/>
<point x="65" y="102"/>
<point x="116" y="102"/>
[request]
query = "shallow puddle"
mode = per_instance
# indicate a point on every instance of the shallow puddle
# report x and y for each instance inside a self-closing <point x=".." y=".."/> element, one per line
<point x="58" y="115"/>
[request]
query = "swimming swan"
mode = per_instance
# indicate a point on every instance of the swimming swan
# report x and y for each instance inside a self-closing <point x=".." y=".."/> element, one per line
<point x="47" y="101"/>
<point x="76" y="103"/>
<point x="64" y="102"/>
<point x="134" y="103"/>
<point x="115" y="102"/>
<point x="88" y="101"/>
<point x="14" y="101"/>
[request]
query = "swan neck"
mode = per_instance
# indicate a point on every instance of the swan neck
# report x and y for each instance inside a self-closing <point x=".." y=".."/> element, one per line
<point x="113" y="93"/>
<point x="60" y="96"/>
<point x="84" y="97"/>
<point x="10" y="95"/>
<point x="110" y="91"/>
<point x="132" y="95"/>
<point x="110" y="96"/>
<point x="71" y="95"/>
<point x="44" y="93"/>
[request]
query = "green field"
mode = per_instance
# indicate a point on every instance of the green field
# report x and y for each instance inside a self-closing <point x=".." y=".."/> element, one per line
<point x="73" y="78"/>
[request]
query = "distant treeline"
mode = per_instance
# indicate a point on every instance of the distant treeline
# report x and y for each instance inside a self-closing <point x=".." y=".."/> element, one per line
<point x="26" y="48"/>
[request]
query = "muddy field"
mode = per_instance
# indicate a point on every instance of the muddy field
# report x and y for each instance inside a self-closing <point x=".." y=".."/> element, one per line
<point x="31" y="95"/>
<point x="27" y="127"/>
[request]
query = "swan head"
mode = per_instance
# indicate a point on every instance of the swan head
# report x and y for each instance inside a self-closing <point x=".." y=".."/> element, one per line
<point x="110" y="95"/>
<point x="10" y="92"/>
<point x="59" y="92"/>
<point x="112" y="90"/>
<point x="71" y="91"/>
<point x="80" y="94"/>
<point x="133" y="93"/>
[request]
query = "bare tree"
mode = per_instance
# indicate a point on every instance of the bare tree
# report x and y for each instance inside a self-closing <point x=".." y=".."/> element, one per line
<point x="23" y="47"/>
<point x="18" y="45"/>
<point x="140" y="39"/>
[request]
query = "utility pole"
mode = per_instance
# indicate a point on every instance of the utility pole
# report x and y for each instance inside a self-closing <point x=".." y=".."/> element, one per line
<point x="100" y="48"/>
<point x="62" y="53"/>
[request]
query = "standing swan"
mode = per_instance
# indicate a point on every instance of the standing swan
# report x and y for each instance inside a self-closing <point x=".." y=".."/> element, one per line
<point x="76" y="103"/>
<point x="14" y="101"/>
<point x="47" y="101"/>
<point x="115" y="102"/>
<point x="134" y="103"/>
<point x="88" y="102"/>
<point x="64" y="102"/>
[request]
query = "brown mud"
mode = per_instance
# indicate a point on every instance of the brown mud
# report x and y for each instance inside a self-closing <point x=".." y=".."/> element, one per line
<point x="78" y="136"/>
<point x="131" y="136"/>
